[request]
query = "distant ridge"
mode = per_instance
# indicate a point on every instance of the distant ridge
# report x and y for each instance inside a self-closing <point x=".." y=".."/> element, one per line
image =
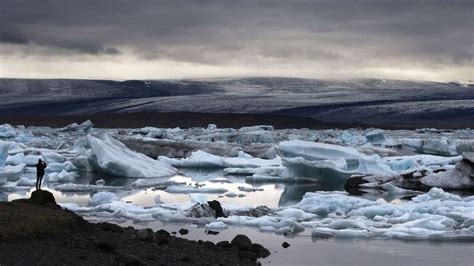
<point x="363" y="101"/>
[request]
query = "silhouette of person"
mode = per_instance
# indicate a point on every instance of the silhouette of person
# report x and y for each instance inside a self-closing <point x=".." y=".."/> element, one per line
<point x="40" y="166"/>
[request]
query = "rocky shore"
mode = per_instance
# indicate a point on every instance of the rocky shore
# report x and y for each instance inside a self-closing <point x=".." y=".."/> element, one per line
<point x="37" y="231"/>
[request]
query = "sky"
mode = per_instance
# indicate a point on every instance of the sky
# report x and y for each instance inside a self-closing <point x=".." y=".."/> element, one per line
<point x="327" y="39"/>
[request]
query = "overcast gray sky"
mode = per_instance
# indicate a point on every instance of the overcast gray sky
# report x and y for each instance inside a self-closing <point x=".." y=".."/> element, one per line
<point x="139" y="39"/>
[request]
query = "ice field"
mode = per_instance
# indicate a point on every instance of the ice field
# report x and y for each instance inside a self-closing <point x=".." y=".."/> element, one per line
<point x="356" y="183"/>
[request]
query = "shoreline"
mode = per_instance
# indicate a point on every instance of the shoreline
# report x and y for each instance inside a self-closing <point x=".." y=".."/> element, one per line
<point x="193" y="119"/>
<point x="40" y="231"/>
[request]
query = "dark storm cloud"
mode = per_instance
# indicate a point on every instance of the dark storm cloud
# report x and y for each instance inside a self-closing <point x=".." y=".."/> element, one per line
<point x="12" y="35"/>
<point x="218" y="32"/>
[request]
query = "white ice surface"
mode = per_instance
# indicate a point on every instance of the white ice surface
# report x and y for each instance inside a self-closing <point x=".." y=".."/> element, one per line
<point x="114" y="158"/>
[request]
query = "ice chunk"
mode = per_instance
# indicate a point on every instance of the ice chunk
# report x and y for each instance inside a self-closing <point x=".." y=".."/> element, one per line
<point x="461" y="177"/>
<point x="151" y="182"/>
<point x="257" y="136"/>
<point x="156" y="133"/>
<point x="394" y="190"/>
<point x="216" y="226"/>
<point x="198" y="159"/>
<point x="231" y="194"/>
<point x="330" y="171"/>
<point x="250" y="162"/>
<point x="317" y="151"/>
<point x="441" y="146"/>
<point x="7" y="131"/>
<point x="201" y="159"/>
<point x="53" y="157"/>
<point x="85" y="126"/>
<point x="451" y="179"/>
<point x="4" y="148"/>
<point x="373" y="165"/>
<point x="83" y="163"/>
<point x="102" y="197"/>
<point x="82" y="187"/>
<point x="295" y="214"/>
<point x="13" y="172"/>
<point x="19" y="158"/>
<point x="25" y="182"/>
<point x="112" y="157"/>
<point x="16" y="159"/>
<point x="375" y="136"/>
<point x="61" y="177"/>
<point x="198" y="198"/>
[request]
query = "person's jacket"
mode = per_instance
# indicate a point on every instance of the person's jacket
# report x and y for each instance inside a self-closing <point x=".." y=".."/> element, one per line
<point x="40" y="168"/>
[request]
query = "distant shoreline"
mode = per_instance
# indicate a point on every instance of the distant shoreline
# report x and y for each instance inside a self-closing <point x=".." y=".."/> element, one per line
<point x="191" y="119"/>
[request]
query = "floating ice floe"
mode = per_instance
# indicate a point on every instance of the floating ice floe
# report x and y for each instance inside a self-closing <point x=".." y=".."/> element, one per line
<point x="317" y="151"/>
<point x="201" y="159"/>
<point x="114" y="158"/>
<point x="13" y="172"/>
<point x="83" y="187"/>
<point x="198" y="159"/>
<point x="434" y="215"/>
<point x="216" y="226"/>
<point x="102" y="197"/>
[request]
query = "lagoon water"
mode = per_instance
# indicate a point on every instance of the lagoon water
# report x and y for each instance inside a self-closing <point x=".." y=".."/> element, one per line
<point x="304" y="249"/>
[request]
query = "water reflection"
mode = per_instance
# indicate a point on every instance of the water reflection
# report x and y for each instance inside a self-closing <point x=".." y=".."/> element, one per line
<point x="268" y="194"/>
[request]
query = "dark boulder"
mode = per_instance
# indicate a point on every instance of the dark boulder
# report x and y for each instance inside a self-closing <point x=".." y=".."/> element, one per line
<point x="216" y="206"/>
<point x="42" y="197"/>
<point x="260" y="250"/>
<point x="163" y="233"/>
<point x="145" y="235"/>
<point x="183" y="231"/>
<point x="285" y="245"/>
<point x="248" y="255"/>
<point x="242" y="242"/>
<point x="224" y="244"/>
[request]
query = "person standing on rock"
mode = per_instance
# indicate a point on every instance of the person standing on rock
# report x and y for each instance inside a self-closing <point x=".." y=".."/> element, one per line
<point x="40" y="166"/>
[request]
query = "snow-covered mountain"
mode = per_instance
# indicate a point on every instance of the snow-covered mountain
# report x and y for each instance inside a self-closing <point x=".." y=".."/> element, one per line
<point x="357" y="100"/>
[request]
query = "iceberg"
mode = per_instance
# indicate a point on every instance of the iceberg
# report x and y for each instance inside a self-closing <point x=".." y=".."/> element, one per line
<point x="329" y="171"/>
<point x="442" y="146"/>
<point x="202" y="159"/>
<point x="317" y="151"/>
<point x="102" y="197"/>
<point x="61" y="177"/>
<point x="112" y="157"/>
<point x="198" y="159"/>
<point x="460" y="177"/>
<point x="375" y="136"/>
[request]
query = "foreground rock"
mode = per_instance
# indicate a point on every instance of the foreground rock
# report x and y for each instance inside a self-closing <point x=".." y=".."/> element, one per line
<point x="37" y="230"/>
